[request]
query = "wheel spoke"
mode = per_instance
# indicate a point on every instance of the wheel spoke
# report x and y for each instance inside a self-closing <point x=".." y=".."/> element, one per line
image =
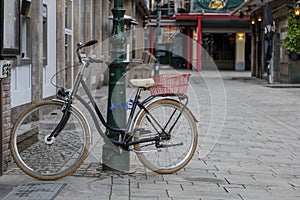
<point x="175" y="152"/>
<point x="49" y="160"/>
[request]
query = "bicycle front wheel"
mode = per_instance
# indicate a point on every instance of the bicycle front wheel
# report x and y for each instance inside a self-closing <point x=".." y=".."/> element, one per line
<point x="49" y="160"/>
<point x="173" y="152"/>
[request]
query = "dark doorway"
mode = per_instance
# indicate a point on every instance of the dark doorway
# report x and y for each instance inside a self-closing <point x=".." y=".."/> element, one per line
<point x="221" y="47"/>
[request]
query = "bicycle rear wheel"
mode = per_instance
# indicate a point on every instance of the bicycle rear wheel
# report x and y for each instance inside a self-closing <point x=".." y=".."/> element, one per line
<point x="175" y="152"/>
<point x="40" y="158"/>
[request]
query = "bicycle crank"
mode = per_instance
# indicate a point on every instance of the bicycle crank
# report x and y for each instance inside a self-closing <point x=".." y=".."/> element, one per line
<point x="146" y="151"/>
<point x="169" y="145"/>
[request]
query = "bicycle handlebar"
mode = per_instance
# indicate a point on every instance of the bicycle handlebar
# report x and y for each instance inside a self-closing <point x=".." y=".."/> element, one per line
<point x="94" y="60"/>
<point x="90" y="43"/>
<point x="80" y="46"/>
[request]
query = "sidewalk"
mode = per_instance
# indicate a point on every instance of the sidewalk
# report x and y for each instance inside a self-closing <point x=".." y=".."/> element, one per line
<point x="249" y="139"/>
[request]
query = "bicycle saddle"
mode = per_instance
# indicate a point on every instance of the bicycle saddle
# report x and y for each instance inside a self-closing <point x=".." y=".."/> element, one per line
<point x="147" y="82"/>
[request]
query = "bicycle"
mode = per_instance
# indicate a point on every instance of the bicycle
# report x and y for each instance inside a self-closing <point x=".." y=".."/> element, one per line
<point x="51" y="138"/>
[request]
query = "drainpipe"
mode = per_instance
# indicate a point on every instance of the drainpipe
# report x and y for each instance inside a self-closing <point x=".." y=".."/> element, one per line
<point x="199" y="37"/>
<point x="189" y="48"/>
<point x="157" y="33"/>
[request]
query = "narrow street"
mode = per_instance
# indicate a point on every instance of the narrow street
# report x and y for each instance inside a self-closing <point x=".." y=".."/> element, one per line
<point x="255" y="154"/>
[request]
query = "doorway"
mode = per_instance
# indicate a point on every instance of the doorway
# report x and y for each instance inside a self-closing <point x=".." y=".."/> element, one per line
<point x="221" y="47"/>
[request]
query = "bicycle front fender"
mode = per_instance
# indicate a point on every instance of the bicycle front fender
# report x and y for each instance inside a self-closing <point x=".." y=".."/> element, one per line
<point x="75" y="108"/>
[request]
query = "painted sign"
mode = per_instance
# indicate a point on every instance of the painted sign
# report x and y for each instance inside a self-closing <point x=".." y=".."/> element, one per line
<point x="5" y="66"/>
<point x="216" y="4"/>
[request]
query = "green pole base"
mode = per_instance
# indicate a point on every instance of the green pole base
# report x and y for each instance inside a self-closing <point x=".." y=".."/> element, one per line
<point x="113" y="160"/>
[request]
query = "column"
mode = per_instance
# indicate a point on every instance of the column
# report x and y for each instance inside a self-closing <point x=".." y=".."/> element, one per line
<point x="152" y="33"/>
<point x="259" y="52"/>
<point x="60" y="42"/>
<point x="37" y="50"/>
<point x="98" y="24"/>
<point x="1" y="136"/>
<point x="253" y="51"/>
<point x="240" y="52"/>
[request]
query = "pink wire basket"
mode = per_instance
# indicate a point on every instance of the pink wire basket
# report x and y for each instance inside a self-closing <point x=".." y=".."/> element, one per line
<point x="169" y="84"/>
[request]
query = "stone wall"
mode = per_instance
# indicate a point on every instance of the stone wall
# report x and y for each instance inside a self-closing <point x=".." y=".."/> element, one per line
<point x="6" y="121"/>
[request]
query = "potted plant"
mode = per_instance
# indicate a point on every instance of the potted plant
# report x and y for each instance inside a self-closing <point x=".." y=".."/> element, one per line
<point x="292" y="40"/>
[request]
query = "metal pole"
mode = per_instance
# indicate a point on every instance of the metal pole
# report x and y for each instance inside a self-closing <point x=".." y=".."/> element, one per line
<point x="157" y="32"/>
<point x="116" y="118"/>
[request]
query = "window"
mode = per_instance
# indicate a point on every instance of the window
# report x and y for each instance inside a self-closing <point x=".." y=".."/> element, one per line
<point x="25" y="38"/>
<point x="10" y="27"/>
<point x="45" y="34"/>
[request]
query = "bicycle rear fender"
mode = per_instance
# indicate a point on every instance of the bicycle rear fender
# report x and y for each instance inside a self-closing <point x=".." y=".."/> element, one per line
<point x="150" y="102"/>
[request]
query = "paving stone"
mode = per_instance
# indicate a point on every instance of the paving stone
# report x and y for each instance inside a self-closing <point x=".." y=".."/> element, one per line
<point x="148" y="198"/>
<point x="5" y="189"/>
<point x="35" y="191"/>
<point x="154" y="186"/>
<point x="148" y="193"/>
<point x="201" y="194"/>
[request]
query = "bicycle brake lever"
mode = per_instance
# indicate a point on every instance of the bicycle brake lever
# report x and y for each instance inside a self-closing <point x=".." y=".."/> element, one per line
<point x="80" y="45"/>
<point x="62" y="93"/>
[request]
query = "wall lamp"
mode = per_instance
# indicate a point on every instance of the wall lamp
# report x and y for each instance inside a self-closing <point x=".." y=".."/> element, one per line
<point x="254" y="18"/>
<point x="294" y="6"/>
<point x="297" y="8"/>
<point x="241" y="36"/>
<point x="259" y="19"/>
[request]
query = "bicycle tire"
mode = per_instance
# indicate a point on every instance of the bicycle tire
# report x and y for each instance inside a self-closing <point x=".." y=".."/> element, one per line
<point x="178" y="64"/>
<point x="179" y="150"/>
<point x="58" y="158"/>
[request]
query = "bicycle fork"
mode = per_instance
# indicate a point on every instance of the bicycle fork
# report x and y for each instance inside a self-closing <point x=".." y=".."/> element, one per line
<point x="49" y="139"/>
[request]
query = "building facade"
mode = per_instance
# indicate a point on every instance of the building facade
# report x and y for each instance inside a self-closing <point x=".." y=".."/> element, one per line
<point x="281" y="67"/>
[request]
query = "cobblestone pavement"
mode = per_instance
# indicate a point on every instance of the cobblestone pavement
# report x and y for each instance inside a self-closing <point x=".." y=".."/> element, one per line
<point x="249" y="138"/>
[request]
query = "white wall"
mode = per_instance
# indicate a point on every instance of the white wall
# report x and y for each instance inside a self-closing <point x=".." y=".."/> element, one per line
<point x="20" y="85"/>
<point x="50" y="68"/>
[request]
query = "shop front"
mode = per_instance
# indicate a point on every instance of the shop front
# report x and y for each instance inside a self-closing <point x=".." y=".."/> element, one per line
<point x="184" y="38"/>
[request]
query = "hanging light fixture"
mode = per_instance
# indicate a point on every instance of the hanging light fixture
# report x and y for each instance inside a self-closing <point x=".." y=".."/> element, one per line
<point x="253" y="19"/>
